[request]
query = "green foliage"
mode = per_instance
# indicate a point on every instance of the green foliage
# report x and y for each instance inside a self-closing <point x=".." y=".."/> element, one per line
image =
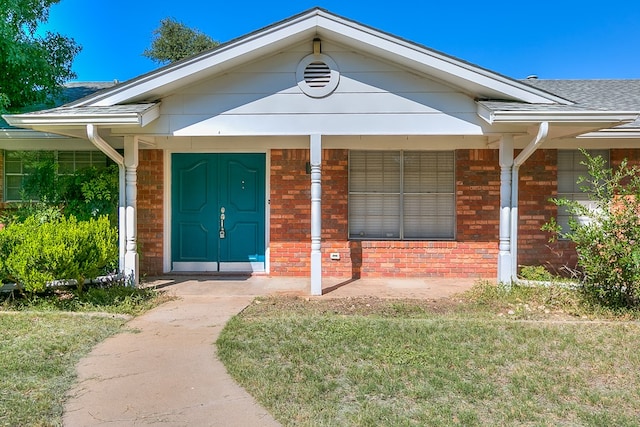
<point x="114" y="297"/>
<point x="91" y="192"/>
<point x="34" y="66"/>
<point x="87" y="193"/>
<point x="608" y="232"/>
<point x="536" y="273"/>
<point x="33" y="253"/>
<point x="42" y="212"/>
<point x="174" y="41"/>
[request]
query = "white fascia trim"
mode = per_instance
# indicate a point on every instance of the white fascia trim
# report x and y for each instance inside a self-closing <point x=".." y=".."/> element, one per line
<point x="319" y="22"/>
<point x="434" y="62"/>
<point x="28" y="134"/>
<point x="613" y="134"/>
<point x="215" y="62"/>
<point x="493" y="117"/>
<point x="112" y="119"/>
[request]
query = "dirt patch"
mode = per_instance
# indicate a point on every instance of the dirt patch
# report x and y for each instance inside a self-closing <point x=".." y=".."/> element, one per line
<point x="459" y="305"/>
<point x="362" y="306"/>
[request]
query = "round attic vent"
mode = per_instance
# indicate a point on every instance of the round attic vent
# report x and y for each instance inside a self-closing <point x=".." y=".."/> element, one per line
<point x="317" y="75"/>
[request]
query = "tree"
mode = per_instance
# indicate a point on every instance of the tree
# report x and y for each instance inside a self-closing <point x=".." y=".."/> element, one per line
<point x="32" y="67"/>
<point x="174" y="41"/>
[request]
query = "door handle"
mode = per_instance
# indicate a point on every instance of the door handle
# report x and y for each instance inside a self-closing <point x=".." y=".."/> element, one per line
<point x="223" y="233"/>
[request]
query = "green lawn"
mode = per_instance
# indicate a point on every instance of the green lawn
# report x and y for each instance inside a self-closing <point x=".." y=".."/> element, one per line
<point x="44" y="337"/>
<point x="368" y="362"/>
<point x="39" y="352"/>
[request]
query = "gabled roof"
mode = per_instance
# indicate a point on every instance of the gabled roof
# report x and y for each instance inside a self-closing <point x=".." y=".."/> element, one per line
<point x="477" y="81"/>
<point x="70" y="92"/>
<point x="588" y="97"/>
<point x="500" y="98"/>
<point x="611" y="95"/>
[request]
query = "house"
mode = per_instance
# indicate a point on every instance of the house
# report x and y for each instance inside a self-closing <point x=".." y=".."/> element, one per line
<point x="319" y="146"/>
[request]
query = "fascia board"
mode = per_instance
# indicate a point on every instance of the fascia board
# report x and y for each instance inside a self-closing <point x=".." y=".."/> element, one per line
<point x="613" y="134"/>
<point x="108" y="119"/>
<point x="320" y="22"/>
<point x="433" y="63"/>
<point x="28" y="134"/>
<point x="215" y="62"/>
<point x="561" y="117"/>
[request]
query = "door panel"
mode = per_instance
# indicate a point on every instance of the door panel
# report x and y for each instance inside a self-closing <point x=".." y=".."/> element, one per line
<point x="243" y="189"/>
<point x="193" y="237"/>
<point x="202" y="185"/>
<point x="194" y="199"/>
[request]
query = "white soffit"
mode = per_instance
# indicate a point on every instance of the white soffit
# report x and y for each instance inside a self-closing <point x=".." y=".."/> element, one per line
<point x="319" y="23"/>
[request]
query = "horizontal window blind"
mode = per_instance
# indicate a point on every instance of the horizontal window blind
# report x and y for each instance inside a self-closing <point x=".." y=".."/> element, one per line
<point x="401" y="195"/>
<point x="570" y="169"/>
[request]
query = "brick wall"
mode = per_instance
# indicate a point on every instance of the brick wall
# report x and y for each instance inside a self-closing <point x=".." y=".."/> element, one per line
<point x="538" y="183"/>
<point x="150" y="211"/>
<point x="290" y="203"/>
<point x="473" y="254"/>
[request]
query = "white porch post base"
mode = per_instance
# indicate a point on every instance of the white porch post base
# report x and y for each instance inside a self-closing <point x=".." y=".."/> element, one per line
<point x="316" y="214"/>
<point x="131" y="259"/>
<point x="505" y="258"/>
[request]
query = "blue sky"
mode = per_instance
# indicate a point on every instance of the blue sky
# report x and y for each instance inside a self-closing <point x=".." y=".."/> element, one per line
<point x="561" y="39"/>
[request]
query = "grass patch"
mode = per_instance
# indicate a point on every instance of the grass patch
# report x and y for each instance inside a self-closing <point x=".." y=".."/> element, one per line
<point x="45" y="335"/>
<point x="39" y="354"/>
<point x="462" y="361"/>
<point x="110" y="299"/>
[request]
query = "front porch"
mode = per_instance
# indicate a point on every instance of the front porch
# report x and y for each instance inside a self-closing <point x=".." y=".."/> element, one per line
<point x="262" y="285"/>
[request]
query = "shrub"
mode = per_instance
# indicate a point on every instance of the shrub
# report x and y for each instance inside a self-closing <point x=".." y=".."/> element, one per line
<point x="33" y="253"/>
<point x="608" y="236"/>
<point x="40" y="211"/>
<point x="86" y="193"/>
<point x="536" y="273"/>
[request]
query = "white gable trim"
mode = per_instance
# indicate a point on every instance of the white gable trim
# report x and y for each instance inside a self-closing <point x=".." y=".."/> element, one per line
<point x="319" y="23"/>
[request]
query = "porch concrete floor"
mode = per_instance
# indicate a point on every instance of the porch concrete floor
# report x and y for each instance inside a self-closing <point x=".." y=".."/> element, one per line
<point x="256" y="285"/>
<point x="164" y="369"/>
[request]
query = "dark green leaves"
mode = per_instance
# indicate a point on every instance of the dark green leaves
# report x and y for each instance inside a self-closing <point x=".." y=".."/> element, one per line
<point x="174" y="41"/>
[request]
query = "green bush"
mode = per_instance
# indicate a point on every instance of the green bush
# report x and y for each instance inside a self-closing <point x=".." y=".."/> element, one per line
<point x="86" y="193"/>
<point x="608" y="241"/>
<point x="34" y="253"/>
<point x="535" y="273"/>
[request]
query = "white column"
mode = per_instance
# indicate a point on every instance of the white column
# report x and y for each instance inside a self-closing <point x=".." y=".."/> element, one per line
<point x="504" y="251"/>
<point x="316" y="214"/>
<point x="131" y="260"/>
<point x="122" y="217"/>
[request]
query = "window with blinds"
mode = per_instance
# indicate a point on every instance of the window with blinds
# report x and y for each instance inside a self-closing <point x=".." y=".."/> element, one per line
<point x="401" y="195"/>
<point x="570" y="169"/>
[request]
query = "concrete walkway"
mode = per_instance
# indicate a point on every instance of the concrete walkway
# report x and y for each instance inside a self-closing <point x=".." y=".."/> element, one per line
<point x="165" y="371"/>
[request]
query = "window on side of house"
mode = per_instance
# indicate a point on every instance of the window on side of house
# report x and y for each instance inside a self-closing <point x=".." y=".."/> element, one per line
<point x="17" y="163"/>
<point x="570" y="169"/>
<point x="402" y="195"/>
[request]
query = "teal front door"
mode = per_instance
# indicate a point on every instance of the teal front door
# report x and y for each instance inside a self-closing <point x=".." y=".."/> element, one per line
<point x="218" y="212"/>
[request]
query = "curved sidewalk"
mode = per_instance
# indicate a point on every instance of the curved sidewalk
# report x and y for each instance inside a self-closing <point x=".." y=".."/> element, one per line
<point x="164" y="370"/>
